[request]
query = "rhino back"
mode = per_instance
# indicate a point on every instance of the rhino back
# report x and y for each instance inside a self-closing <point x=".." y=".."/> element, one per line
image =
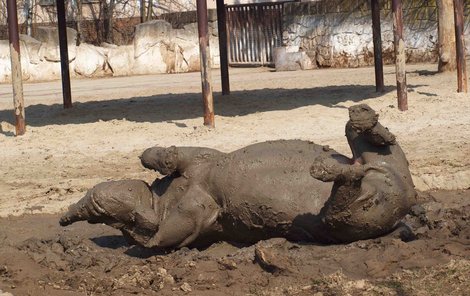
<point x="267" y="185"/>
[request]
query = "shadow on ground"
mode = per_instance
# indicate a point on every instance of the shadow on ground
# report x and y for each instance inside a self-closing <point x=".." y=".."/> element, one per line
<point x="169" y="107"/>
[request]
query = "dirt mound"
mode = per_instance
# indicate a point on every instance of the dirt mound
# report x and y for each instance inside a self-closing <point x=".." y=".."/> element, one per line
<point x="430" y="256"/>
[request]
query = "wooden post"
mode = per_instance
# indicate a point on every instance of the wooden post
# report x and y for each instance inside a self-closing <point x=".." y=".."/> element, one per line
<point x="400" y="56"/>
<point x="16" y="77"/>
<point x="377" y="37"/>
<point x="64" y="54"/>
<point x="460" y="47"/>
<point x="222" y="28"/>
<point x="446" y="36"/>
<point x="204" y="52"/>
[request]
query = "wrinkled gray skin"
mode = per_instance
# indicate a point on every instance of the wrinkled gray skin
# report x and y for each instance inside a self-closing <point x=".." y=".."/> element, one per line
<point x="261" y="191"/>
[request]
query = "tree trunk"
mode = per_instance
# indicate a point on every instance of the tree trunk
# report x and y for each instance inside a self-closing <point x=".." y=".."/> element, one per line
<point x="149" y="10"/>
<point x="109" y="33"/>
<point x="142" y="11"/>
<point x="446" y="39"/>
<point x="79" y="21"/>
<point x="108" y="13"/>
<point x="28" y="9"/>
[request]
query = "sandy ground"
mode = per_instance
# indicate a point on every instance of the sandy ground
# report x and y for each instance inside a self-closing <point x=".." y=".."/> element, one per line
<point x="65" y="152"/>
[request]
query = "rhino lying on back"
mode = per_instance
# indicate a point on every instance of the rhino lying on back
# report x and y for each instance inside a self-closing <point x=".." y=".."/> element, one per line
<point x="287" y="188"/>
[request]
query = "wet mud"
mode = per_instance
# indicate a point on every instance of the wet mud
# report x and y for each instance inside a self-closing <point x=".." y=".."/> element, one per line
<point x="431" y="256"/>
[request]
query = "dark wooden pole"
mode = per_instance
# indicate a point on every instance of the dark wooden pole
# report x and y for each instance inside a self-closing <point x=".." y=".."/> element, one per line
<point x="204" y="52"/>
<point x="400" y="56"/>
<point x="377" y="37"/>
<point x="64" y="54"/>
<point x="222" y="28"/>
<point x="16" y="78"/>
<point x="460" y="47"/>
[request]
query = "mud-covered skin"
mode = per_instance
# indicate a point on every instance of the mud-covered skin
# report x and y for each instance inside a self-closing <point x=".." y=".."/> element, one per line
<point x="371" y="196"/>
<point x="175" y="159"/>
<point x="126" y="205"/>
<point x="264" y="190"/>
<point x="247" y="195"/>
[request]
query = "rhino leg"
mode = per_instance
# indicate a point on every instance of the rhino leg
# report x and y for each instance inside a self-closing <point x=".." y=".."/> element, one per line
<point x="79" y="211"/>
<point x="328" y="169"/>
<point x="195" y="214"/>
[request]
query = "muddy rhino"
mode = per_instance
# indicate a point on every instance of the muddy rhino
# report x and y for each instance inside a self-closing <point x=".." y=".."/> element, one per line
<point x="287" y="188"/>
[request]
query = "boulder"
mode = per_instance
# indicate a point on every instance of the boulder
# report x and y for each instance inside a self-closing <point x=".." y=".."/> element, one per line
<point x="49" y="37"/>
<point x="149" y="34"/>
<point x="32" y="47"/>
<point x="91" y="61"/>
<point x="187" y="39"/>
<point x="5" y="64"/>
<point x="172" y="55"/>
<point x="5" y="61"/>
<point x="121" y="59"/>
<point x="45" y="70"/>
<point x="291" y="61"/>
<point x="151" y="61"/>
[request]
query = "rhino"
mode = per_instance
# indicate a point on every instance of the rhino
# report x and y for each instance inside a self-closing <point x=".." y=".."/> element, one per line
<point x="294" y="189"/>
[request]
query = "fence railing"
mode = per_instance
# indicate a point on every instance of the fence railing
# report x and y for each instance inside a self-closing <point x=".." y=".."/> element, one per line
<point x="253" y="31"/>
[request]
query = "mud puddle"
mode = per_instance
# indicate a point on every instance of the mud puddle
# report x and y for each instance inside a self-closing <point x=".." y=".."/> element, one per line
<point x="38" y="257"/>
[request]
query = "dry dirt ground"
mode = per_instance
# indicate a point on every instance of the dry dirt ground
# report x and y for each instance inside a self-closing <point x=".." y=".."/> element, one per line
<point x="65" y="152"/>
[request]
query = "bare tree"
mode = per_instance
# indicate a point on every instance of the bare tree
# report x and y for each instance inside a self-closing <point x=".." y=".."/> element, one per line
<point x="108" y="20"/>
<point x="446" y="38"/>
<point x="79" y="18"/>
<point x="149" y="10"/>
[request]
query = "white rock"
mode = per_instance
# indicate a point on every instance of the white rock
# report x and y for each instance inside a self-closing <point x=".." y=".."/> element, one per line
<point x="150" y="34"/>
<point x="45" y="70"/>
<point x="121" y="59"/>
<point x="32" y="47"/>
<point x="49" y="37"/>
<point x="5" y="293"/>
<point x="91" y="61"/>
<point x="150" y="62"/>
<point x="5" y="63"/>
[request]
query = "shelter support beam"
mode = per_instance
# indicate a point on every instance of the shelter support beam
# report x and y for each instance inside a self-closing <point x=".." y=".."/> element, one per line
<point x="64" y="54"/>
<point x="222" y="28"/>
<point x="400" y="56"/>
<point x="204" y="52"/>
<point x="462" y="78"/>
<point x="16" y="75"/>
<point x="377" y="37"/>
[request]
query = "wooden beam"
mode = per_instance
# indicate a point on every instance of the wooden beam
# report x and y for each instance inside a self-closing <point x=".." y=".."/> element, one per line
<point x="377" y="37"/>
<point x="204" y="52"/>
<point x="462" y="80"/>
<point x="64" y="54"/>
<point x="400" y="55"/>
<point x="16" y="75"/>
<point x="222" y="28"/>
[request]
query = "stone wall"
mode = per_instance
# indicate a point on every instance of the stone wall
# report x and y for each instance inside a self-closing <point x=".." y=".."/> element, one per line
<point x="338" y="33"/>
<point x="157" y="48"/>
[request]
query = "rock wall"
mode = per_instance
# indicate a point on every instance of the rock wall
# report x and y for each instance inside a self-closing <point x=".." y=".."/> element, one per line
<point x="157" y="48"/>
<point x="334" y="33"/>
<point x="338" y="33"/>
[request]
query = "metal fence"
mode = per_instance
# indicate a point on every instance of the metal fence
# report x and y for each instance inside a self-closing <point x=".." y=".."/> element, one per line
<point x="253" y="31"/>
